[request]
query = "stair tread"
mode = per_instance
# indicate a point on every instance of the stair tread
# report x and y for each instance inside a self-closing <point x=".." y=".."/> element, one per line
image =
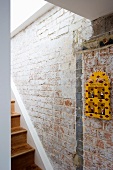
<point x="21" y="149"/>
<point x="17" y="130"/>
<point x="33" y="167"/>
<point x="15" y="114"/>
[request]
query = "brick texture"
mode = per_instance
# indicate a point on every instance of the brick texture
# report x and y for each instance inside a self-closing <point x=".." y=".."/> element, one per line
<point x="43" y="67"/>
<point x="103" y="24"/>
<point x="98" y="134"/>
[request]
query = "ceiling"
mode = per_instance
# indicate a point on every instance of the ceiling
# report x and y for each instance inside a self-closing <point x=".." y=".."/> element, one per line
<point x="90" y="9"/>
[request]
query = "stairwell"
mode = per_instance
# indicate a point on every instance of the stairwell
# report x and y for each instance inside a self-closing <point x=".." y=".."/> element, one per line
<point x="22" y="154"/>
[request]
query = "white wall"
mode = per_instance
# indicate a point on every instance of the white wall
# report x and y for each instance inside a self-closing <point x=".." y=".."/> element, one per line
<point x="22" y="10"/>
<point x="4" y="86"/>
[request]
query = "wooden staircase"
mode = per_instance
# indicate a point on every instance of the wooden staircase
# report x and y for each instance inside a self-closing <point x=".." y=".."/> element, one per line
<point x="22" y="154"/>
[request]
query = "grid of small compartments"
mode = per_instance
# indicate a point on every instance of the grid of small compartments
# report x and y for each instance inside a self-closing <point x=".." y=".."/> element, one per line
<point x="98" y="96"/>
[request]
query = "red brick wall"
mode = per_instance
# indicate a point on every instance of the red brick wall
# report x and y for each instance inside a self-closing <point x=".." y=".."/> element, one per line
<point x="98" y="134"/>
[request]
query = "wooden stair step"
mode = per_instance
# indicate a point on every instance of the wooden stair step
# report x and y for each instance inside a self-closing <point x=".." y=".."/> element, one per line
<point x="22" y="157"/>
<point x="17" y="130"/>
<point x="32" y="167"/>
<point x="18" y="136"/>
<point x="15" y="120"/>
<point x="20" y="150"/>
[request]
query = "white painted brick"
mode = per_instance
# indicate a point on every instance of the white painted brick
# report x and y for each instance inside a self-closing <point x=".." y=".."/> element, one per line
<point x="63" y="31"/>
<point x="63" y="17"/>
<point x="87" y="33"/>
<point x="57" y="14"/>
<point x="76" y="26"/>
<point x="48" y="20"/>
<point x="41" y="25"/>
<point x="43" y="35"/>
<point x="77" y="18"/>
<point x="53" y="36"/>
<point x="66" y="22"/>
<point x="41" y="30"/>
<point x="52" y="24"/>
<point x="53" y="29"/>
<point x="43" y="68"/>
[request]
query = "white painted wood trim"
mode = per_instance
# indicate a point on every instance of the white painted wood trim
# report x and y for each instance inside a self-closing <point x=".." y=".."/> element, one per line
<point x="41" y="158"/>
<point x="35" y="16"/>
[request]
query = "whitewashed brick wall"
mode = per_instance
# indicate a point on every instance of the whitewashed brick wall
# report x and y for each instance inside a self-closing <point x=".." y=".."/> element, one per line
<point x="43" y="66"/>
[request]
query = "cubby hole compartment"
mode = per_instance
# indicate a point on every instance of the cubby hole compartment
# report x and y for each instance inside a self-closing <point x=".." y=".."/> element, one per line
<point x="91" y="92"/>
<point x="91" y="108"/>
<point x="101" y="108"/>
<point x="101" y="92"/>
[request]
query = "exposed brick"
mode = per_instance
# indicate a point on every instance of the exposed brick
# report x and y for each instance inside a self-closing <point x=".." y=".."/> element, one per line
<point x="99" y="26"/>
<point x="68" y="102"/>
<point x="90" y="131"/>
<point x="88" y="139"/>
<point x="96" y="124"/>
<point x="111" y="50"/>
<point x="88" y="163"/>
<point x="100" y="146"/>
<point x="44" y="71"/>
<point x="104" y="135"/>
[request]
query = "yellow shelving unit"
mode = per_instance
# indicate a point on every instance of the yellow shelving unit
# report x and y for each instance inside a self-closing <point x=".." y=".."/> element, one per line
<point x="98" y="96"/>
